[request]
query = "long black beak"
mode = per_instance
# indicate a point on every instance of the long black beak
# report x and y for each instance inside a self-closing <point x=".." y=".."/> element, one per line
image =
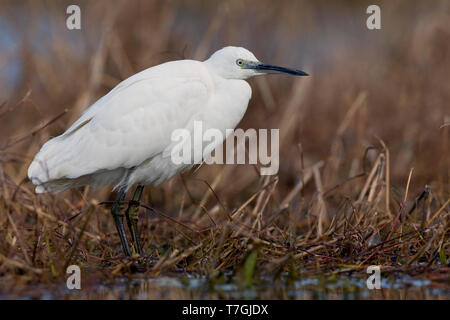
<point x="267" y="68"/>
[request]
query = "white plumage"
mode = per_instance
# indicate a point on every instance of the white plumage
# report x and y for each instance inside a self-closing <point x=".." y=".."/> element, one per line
<point x="124" y="138"/>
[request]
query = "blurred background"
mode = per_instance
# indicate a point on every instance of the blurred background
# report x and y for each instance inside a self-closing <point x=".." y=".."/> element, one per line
<point x="397" y="76"/>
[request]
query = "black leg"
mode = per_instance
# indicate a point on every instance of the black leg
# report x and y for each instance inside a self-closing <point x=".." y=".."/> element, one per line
<point x="118" y="220"/>
<point x="133" y="217"/>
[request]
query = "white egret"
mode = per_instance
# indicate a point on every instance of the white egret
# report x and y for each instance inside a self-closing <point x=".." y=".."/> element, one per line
<point x="125" y="137"/>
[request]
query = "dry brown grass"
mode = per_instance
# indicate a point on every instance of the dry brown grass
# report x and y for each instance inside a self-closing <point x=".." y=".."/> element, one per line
<point x="365" y="154"/>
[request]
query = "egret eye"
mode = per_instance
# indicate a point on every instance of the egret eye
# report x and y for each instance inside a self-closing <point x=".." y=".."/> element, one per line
<point x="239" y="62"/>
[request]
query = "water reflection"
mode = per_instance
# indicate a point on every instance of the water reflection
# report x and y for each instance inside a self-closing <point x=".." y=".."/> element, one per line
<point x="191" y="287"/>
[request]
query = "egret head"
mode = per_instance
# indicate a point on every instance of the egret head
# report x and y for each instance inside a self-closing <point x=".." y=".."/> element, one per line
<point x="239" y="63"/>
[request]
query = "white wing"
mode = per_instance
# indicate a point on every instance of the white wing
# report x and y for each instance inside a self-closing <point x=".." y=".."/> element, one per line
<point x="129" y="125"/>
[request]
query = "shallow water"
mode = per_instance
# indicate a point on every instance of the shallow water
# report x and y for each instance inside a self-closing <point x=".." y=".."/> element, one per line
<point x="190" y="286"/>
